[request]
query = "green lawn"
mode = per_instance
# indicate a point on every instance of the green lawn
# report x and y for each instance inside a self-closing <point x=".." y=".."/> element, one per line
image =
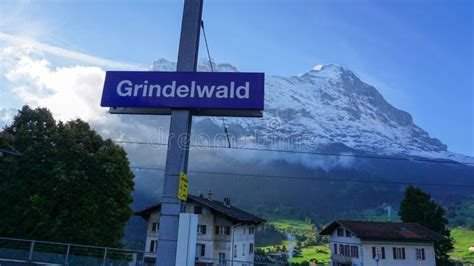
<point x="269" y="248"/>
<point x="283" y="224"/>
<point x="463" y="239"/>
<point x="321" y="253"/>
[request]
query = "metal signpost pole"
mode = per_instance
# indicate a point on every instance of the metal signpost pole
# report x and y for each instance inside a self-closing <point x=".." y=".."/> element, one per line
<point x="178" y="142"/>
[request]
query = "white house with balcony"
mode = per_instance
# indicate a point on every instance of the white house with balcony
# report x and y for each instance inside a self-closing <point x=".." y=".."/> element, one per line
<point x="365" y="243"/>
<point x="226" y="234"/>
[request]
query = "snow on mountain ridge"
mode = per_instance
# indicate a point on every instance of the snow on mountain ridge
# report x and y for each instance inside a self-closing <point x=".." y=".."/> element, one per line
<point x="330" y="104"/>
<point x="318" y="67"/>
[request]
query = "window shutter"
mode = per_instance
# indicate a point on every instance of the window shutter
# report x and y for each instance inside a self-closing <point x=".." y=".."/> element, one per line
<point x="423" y="254"/>
<point x="403" y="253"/>
<point x="335" y="248"/>
<point x="217" y="230"/>
<point x="227" y="230"/>
<point x="394" y="254"/>
<point x="383" y="253"/>
<point x="203" y="229"/>
<point x="373" y="252"/>
<point x="152" y="245"/>
<point x="203" y="250"/>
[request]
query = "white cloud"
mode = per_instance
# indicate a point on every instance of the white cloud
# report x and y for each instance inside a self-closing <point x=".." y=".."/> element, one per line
<point x="6" y="116"/>
<point x="69" y="92"/>
<point x="38" y="46"/>
<point x="75" y="92"/>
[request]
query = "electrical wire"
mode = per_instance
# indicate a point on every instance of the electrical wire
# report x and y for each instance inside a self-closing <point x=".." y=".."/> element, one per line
<point x="226" y="131"/>
<point x="350" y="155"/>
<point x="207" y="46"/>
<point x="300" y="177"/>
<point x="362" y="156"/>
<point x="313" y="178"/>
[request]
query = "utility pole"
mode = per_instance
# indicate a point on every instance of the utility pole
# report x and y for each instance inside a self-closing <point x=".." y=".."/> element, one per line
<point x="179" y="138"/>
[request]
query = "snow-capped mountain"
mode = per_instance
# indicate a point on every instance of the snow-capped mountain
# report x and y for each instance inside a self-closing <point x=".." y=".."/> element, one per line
<point x="329" y="105"/>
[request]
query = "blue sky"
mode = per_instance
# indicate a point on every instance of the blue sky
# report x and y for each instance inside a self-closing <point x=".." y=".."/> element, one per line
<point x="419" y="54"/>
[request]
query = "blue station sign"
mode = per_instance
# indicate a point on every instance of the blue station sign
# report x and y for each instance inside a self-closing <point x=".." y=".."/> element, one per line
<point x="204" y="93"/>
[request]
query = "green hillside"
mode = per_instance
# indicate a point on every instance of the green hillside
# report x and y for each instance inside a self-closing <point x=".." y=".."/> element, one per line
<point x="288" y="224"/>
<point x="463" y="239"/>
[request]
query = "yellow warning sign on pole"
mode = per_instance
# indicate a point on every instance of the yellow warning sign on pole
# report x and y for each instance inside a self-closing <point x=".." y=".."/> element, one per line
<point x="183" y="186"/>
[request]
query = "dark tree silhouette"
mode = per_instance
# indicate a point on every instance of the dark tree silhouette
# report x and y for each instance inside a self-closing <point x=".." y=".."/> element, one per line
<point x="69" y="184"/>
<point x="418" y="207"/>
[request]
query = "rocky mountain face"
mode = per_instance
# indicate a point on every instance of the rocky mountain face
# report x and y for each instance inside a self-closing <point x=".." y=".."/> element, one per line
<point x="324" y="106"/>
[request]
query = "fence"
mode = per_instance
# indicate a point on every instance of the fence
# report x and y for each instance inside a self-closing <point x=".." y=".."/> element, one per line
<point x="270" y="262"/>
<point x="29" y="252"/>
<point x="54" y="253"/>
<point x="15" y="251"/>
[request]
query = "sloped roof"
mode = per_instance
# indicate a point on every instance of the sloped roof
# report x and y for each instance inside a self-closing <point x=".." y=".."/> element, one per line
<point x="232" y="212"/>
<point x="368" y="230"/>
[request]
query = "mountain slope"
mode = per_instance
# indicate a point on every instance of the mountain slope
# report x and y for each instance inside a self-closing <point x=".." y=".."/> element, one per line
<point x="328" y="105"/>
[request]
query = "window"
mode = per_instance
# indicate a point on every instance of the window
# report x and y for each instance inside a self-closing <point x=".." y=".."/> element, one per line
<point x="354" y="251"/>
<point x="343" y="250"/>
<point x="347" y="250"/>
<point x="197" y="209"/>
<point x="378" y="253"/>
<point x="201" y="250"/>
<point x="243" y="249"/>
<point x="420" y="254"/>
<point x="201" y="229"/>
<point x="334" y="250"/>
<point x="222" y="258"/>
<point x="251" y="248"/>
<point x="155" y="227"/>
<point x="235" y="251"/>
<point x="251" y="230"/>
<point x="398" y="253"/>
<point x="153" y="245"/>
<point x="348" y="233"/>
<point x="222" y="230"/>
<point x="340" y="231"/>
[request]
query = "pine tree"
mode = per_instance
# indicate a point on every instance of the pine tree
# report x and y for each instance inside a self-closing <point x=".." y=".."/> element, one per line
<point x="69" y="185"/>
<point x="418" y="207"/>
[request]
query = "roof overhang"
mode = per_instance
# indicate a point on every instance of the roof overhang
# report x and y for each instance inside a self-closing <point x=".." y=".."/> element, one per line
<point x="145" y="213"/>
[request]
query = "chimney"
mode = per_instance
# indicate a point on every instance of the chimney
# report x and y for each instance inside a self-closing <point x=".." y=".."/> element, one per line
<point x="227" y="202"/>
<point x="209" y="195"/>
